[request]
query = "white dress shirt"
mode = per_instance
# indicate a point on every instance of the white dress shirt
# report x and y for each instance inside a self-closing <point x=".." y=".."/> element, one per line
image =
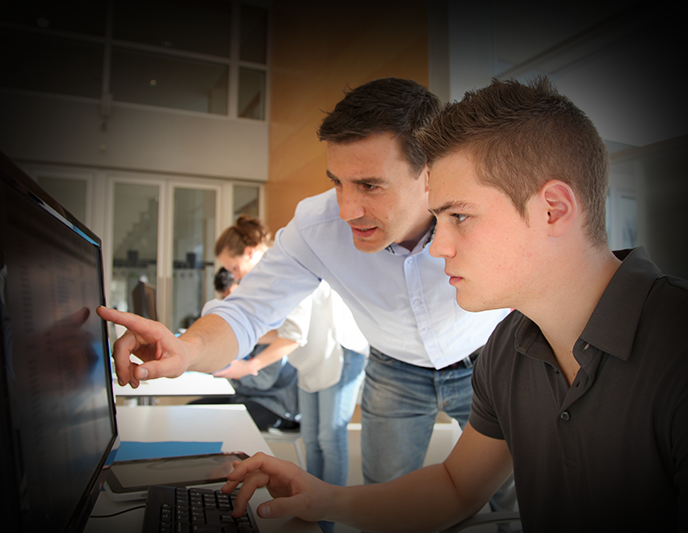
<point x="321" y="324"/>
<point x="401" y="300"/>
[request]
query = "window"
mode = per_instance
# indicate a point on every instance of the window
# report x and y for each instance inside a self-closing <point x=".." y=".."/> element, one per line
<point x="254" y="34"/>
<point x="51" y="64"/>
<point x="162" y="231"/>
<point x="252" y="93"/>
<point x="71" y="193"/>
<point x="174" y="54"/>
<point x="153" y="79"/>
<point x="204" y="27"/>
<point x="246" y="198"/>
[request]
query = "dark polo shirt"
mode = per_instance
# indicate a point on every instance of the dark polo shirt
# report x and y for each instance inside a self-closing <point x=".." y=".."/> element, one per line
<point x="609" y="453"/>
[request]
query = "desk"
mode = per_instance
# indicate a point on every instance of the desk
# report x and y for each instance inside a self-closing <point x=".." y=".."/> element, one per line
<point x="230" y="424"/>
<point x="188" y="384"/>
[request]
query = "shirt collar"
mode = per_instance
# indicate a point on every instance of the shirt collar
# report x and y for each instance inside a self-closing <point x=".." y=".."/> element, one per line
<point x="426" y="240"/>
<point x="614" y="322"/>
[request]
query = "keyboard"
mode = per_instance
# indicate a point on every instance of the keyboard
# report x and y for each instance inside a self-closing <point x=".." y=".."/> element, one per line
<point x="193" y="510"/>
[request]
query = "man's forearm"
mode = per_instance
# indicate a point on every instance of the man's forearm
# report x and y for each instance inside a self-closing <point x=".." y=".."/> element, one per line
<point x="213" y="341"/>
<point x="269" y="337"/>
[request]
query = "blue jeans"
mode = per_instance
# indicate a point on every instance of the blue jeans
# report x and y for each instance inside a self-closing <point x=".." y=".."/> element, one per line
<point x="324" y="418"/>
<point x="399" y="410"/>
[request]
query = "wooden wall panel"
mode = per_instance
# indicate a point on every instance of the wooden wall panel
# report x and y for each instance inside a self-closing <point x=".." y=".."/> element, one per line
<point x="317" y="50"/>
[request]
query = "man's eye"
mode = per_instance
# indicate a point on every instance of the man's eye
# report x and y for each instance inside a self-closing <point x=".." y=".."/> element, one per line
<point x="368" y="186"/>
<point x="459" y="217"/>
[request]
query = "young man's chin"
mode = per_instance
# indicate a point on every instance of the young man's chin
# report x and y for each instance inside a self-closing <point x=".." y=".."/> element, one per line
<point x="469" y="303"/>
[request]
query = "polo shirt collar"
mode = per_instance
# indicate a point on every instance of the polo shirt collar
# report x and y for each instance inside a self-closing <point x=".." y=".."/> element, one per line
<point x="614" y="322"/>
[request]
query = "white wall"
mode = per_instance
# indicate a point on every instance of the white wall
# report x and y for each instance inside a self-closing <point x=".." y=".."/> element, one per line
<point x="71" y="131"/>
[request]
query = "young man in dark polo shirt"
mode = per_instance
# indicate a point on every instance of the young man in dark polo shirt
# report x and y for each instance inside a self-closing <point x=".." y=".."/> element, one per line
<point x="583" y="390"/>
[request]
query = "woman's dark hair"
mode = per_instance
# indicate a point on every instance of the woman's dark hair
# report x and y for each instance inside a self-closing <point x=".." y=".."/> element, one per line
<point x="223" y="280"/>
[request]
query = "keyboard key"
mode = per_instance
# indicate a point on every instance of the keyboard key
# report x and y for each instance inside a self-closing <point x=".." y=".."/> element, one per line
<point x="182" y="510"/>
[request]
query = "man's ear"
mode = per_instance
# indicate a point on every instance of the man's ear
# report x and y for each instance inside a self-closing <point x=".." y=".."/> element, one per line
<point x="561" y="206"/>
<point x="248" y="252"/>
<point x="425" y="175"/>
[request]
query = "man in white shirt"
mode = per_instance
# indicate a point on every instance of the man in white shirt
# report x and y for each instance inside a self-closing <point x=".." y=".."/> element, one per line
<point x="369" y="239"/>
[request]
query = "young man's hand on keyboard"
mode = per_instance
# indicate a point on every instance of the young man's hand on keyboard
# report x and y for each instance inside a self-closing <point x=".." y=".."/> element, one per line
<point x="296" y="492"/>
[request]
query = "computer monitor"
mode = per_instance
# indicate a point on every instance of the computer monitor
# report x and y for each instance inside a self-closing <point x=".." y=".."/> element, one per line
<point x="58" y="428"/>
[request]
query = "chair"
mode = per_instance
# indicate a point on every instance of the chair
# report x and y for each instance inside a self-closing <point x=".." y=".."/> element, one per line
<point x="484" y="519"/>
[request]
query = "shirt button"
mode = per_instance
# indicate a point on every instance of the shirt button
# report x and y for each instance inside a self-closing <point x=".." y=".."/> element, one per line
<point x="565" y="416"/>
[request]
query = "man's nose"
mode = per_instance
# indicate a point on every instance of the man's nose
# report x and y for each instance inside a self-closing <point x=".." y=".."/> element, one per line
<point x="350" y="207"/>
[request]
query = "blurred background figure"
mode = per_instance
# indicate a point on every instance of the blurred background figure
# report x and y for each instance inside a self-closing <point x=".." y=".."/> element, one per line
<point x="225" y="283"/>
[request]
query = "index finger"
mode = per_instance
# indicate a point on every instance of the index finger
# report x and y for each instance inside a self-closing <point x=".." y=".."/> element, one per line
<point x="259" y="461"/>
<point x="128" y="320"/>
<point x="140" y="332"/>
<point x="241" y="475"/>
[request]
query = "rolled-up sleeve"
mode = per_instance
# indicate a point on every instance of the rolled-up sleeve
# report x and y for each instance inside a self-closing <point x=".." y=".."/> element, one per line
<point x="267" y="294"/>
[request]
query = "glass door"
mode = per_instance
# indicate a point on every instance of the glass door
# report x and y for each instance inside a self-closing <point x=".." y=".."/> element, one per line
<point x="194" y="230"/>
<point x="134" y="245"/>
<point x="161" y="243"/>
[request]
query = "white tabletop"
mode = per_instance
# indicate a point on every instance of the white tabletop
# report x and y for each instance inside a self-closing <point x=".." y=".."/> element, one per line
<point x="230" y="424"/>
<point x="188" y="384"/>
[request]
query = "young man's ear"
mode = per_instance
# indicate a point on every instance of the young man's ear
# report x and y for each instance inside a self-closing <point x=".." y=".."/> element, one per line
<point x="561" y="206"/>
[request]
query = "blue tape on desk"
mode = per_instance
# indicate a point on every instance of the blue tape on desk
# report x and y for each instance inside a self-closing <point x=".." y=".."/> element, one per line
<point x="130" y="450"/>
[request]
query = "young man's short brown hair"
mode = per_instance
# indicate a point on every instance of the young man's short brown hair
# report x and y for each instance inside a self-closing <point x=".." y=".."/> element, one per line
<point x="521" y="136"/>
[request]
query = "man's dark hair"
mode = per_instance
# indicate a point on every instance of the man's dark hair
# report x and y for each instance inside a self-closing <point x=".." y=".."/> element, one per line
<point x="387" y="105"/>
<point x="223" y="280"/>
<point x="522" y="135"/>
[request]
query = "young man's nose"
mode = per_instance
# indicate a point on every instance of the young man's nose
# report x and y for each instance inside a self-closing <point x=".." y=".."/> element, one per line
<point x="441" y="245"/>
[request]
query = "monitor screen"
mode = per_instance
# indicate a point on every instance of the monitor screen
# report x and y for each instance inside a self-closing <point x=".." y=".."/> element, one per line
<point x="58" y="422"/>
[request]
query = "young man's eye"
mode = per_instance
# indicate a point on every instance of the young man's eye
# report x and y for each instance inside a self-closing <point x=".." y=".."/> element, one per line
<point x="369" y="186"/>
<point x="458" y="217"/>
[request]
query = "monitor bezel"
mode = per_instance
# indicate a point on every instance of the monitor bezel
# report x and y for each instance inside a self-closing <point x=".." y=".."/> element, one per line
<point x="16" y="178"/>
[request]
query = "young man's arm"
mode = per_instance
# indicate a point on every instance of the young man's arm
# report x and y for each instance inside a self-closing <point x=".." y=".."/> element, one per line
<point x="429" y="499"/>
